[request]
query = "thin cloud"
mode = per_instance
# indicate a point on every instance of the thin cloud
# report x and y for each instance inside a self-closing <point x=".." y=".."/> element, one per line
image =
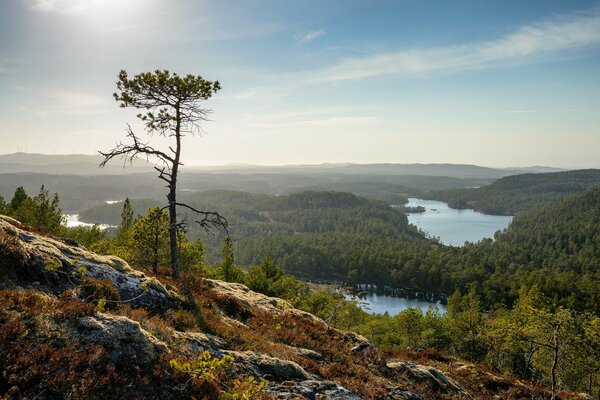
<point x="309" y="36"/>
<point x="321" y="122"/>
<point x="522" y="111"/>
<point x="528" y="44"/>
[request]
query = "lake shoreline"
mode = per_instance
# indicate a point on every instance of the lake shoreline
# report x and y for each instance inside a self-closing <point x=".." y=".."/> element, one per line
<point x="454" y="227"/>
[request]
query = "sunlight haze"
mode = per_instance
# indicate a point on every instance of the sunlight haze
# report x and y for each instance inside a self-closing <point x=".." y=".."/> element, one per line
<point x="488" y="83"/>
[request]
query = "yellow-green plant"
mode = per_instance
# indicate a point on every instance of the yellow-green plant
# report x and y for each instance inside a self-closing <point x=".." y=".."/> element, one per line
<point x="206" y="367"/>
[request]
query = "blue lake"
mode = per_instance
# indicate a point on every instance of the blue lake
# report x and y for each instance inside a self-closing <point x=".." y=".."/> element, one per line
<point x="375" y="303"/>
<point x="454" y="227"/>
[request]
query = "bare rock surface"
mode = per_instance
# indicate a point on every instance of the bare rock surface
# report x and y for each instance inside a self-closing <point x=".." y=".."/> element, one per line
<point x="123" y="338"/>
<point x="61" y="262"/>
<point x="423" y="373"/>
<point x="262" y="365"/>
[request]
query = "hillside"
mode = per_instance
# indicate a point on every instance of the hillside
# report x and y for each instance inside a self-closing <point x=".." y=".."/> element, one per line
<point x="82" y="326"/>
<point x="317" y="235"/>
<point x="337" y="236"/>
<point x="513" y="194"/>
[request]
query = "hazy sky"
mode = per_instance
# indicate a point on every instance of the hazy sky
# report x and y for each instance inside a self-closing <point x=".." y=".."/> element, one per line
<point x="496" y="83"/>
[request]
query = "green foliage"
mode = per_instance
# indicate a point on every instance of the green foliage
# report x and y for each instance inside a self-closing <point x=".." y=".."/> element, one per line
<point x="558" y="346"/>
<point x="228" y="270"/>
<point x="149" y="245"/>
<point x="52" y="264"/>
<point x="85" y="235"/>
<point x="263" y="277"/>
<point x="191" y="254"/>
<point x="467" y="324"/>
<point x="517" y="193"/>
<point x="126" y="219"/>
<point x="40" y="212"/>
<point x="246" y="389"/>
<point x="205" y="367"/>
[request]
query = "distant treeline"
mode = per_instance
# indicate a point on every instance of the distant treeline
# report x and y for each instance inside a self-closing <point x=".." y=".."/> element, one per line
<point x="513" y="194"/>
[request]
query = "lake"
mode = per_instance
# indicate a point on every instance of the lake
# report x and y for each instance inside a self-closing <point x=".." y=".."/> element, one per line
<point x="454" y="227"/>
<point x="376" y="301"/>
<point x="73" y="221"/>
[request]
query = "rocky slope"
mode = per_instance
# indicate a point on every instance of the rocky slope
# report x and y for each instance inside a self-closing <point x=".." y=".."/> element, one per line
<point x="78" y="325"/>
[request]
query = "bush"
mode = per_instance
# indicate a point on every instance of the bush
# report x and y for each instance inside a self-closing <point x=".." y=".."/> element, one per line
<point x="96" y="289"/>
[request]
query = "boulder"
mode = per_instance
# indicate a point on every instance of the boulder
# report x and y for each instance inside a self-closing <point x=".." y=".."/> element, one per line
<point x="433" y="376"/>
<point x="311" y="390"/>
<point x="123" y="339"/>
<point x="59" y="264"/>
<point x="251" y="363"/>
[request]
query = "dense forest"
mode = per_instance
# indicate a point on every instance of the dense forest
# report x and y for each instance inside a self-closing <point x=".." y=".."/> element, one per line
<point x="513" y="194"/>
<point x="556" y="247"/>
<point x="338" y="236"/>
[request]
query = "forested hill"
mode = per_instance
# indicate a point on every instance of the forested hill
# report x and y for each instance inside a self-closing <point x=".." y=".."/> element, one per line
<point x="563" y="235"/>
<point x="513" y="194"/>
<point x="555" y="247"/>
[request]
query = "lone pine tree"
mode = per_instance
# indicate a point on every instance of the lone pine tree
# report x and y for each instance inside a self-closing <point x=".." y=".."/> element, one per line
<point x="172" y="108"/>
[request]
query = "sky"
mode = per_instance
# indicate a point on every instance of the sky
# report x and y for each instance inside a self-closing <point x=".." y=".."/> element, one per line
<point x="494" y="83"/>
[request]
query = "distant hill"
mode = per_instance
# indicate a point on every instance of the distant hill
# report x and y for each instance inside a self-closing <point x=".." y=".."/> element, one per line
<point x="513" y="194"/>
<point x="448" y="170"/>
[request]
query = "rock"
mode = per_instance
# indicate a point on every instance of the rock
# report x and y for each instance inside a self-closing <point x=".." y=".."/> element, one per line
<point x="311" y="390"/>
<point x="198" y="341"/>
<point x="123" y="339"/>
<point x="74" y="261"/>
<point x="251" y="363"/>
<point x="401" y="393"/>
<point x="259" y="301"/>
<point x="423" y="373"/>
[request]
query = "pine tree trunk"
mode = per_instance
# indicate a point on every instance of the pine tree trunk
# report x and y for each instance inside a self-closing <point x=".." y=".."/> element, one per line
<point x="173" y="235"/>
<point x="554" y="364"/>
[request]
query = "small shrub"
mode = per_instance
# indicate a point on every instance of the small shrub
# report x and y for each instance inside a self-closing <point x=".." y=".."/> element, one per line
<point x="246" y="389"/>
<point x="206" y="367"/>
<point x="182" y="320"/>
<point x="96" y="289"/>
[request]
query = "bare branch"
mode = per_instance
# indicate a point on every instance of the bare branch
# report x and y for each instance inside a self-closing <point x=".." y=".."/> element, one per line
<point x="130" y="151"/>
<point x="209" y="219"/>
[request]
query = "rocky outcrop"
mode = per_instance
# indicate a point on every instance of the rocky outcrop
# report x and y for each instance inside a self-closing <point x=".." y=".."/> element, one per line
<point x="58" y="264"/>
<point x="270" y="368"/>
<point x="432" y="376"/>
<point x="56" y="269"/>
<point x="311" y="390"/>
<point x="122" y="338"/>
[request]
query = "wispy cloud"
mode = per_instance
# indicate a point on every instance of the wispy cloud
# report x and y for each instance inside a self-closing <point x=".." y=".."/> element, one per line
<point x="319" y="122"/>
<point x="530" y="43"/>
<point x="522" y="111"/>
<point x="63" y="102"/>
<point x="309" y="36"/>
